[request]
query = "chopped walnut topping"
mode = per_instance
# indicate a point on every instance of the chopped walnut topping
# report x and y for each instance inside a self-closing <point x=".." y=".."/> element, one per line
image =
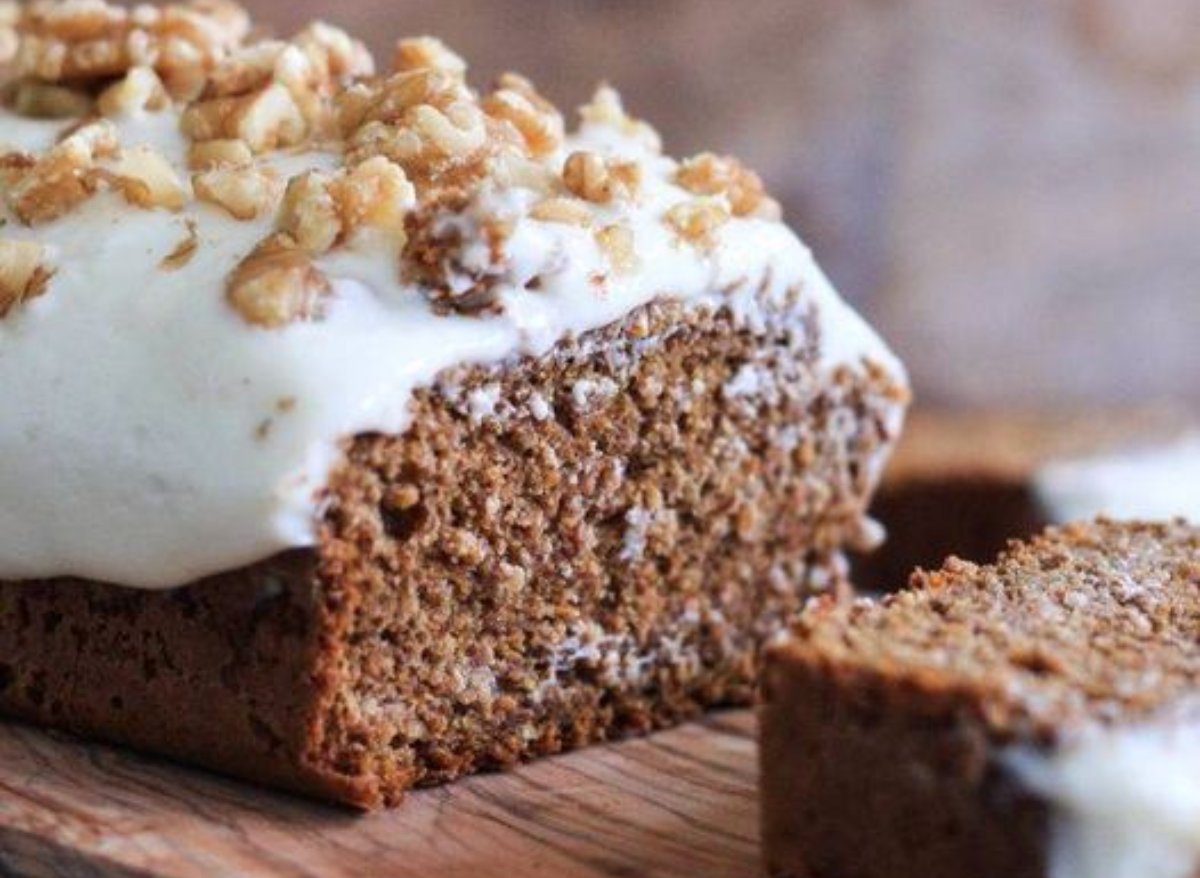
<point x="708" y="174"/>
<point x="426" y="121"/>
<point x="64" y="177"/>
<point x="23" y="274"/>
<point x="321" y="210"/>
<point x="264" y="120"/>
<point x="309" y="215"/>
<point x="535" y="119"/>
<point x="321" y="60"/>
<point x="606" y="110"/>
<point x="246" y="71"/>
<point x="10" y="15"/>
<point x="140" y="89"/>
<point x="278" y="284"/>
<point x="219" y="154"/>
<point x="274" y="94"/>
<point x="191" y="38"/>
<point x="86" y="41"/>
<point x="311" y="68"/>
<point x="427" y="53"/>
<point x="338" y="55"/>
<point x="618" y="244"/>
<point x="698" y="221"/>
<point x="375" y="194"/>
<point x="568" y="211"/>
<point x="599" y="180"/>
<point x="508" y="169"/>
<point x="434" y="141"/>
<point x="14" y="166"/>
<point x="420" y="150"/>
<point x="183" y="252"/>
<point x="147" y="179"/>
<point x="244" y="193"/>
<point x="43" y="100"/>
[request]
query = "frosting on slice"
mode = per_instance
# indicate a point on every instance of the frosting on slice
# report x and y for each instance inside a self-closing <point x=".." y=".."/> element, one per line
<point x="1125" y="802"/>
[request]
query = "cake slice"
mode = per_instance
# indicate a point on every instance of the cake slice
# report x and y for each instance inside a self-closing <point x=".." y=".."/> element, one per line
<point x="965" y="482"/>
<point x="361" y="429"/>
<point x="1035" y="717"/>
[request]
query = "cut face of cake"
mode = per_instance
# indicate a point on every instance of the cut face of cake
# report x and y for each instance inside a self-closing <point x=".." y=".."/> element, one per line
<point x="361" y="429"/>
<point x="1035" y="717"/>
<point x="964" y="483"/>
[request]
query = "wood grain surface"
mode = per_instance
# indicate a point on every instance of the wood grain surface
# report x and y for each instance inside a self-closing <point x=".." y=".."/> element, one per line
<point x="680" y="803"/>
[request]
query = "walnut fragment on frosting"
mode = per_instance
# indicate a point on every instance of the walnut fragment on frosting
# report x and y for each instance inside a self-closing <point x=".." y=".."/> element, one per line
<point x="23" y="273"/>
<point x="323" y="210"/>
<point x="709" y="174"/>
<point x="278" y="284"/>
<point x="85" y="41"/>
<point x="405" y="161"/>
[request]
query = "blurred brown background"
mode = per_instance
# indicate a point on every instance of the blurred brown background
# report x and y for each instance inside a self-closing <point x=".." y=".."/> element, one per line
<point x="1010" y="189"/>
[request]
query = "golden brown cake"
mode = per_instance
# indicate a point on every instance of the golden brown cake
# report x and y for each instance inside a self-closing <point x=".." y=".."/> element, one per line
<point x="1032" y="717"/>
<point x="361" y="429"/>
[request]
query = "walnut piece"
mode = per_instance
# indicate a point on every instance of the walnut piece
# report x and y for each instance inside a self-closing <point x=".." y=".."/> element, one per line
<point x="140" y="89"/>
<point x="219" y="154"/>
<point x="594" y="178"/>
<point x="567" y="211"/>
<point x="374" y="194"/>
<point x="537" y="121"/>
<point x="264" y="120"/>
<point x="244" y="193"/>
<point x="147" y="179"/>
<point x="709" y="174"/>
<point x="618" y="244"/>
<point x="698" y="221"/>
<point x="606" y="110"/>
<point x="277" y="285"/>
<point x="87" y="41"/>
<point x="309" y="214"/>
<point x="183" y="252"/>
<point x="427" y="53"/>
<point x="63" y="178"/>
<point x="321" y="210"/>
<point x="426" y="121"/>
<point x="10" y="15"/>
<point x="275" y="94"/>
<point x="44" y="100"/>
<point x="23" y="273"/>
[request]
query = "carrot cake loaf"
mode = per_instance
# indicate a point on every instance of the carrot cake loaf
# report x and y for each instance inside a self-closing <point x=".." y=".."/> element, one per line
<point x="965" y="482"/>
<point x="1035" y="717"/>
<point x="360" y="429"/>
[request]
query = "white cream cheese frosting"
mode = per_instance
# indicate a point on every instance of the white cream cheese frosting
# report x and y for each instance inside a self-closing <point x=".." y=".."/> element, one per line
<point x="1124" y="801"/>
<point x="151" y="436"/>
<point x="1156" y="482"/>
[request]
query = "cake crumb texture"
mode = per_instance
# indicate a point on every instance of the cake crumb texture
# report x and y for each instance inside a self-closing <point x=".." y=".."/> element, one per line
<point x="897" y="714"/>
<point x="496" y="583"/>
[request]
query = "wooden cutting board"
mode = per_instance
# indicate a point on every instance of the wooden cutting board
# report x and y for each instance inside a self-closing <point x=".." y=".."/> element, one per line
<point x="679" y="803"/>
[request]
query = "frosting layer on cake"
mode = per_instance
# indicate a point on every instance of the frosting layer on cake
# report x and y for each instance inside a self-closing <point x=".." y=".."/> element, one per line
<point x="208" y="280"/>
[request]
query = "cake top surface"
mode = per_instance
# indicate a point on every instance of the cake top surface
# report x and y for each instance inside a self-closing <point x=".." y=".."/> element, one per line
<point x="305" y="132"/>
<point x="1087" y="624"/>
<point x="221" y="254"/>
